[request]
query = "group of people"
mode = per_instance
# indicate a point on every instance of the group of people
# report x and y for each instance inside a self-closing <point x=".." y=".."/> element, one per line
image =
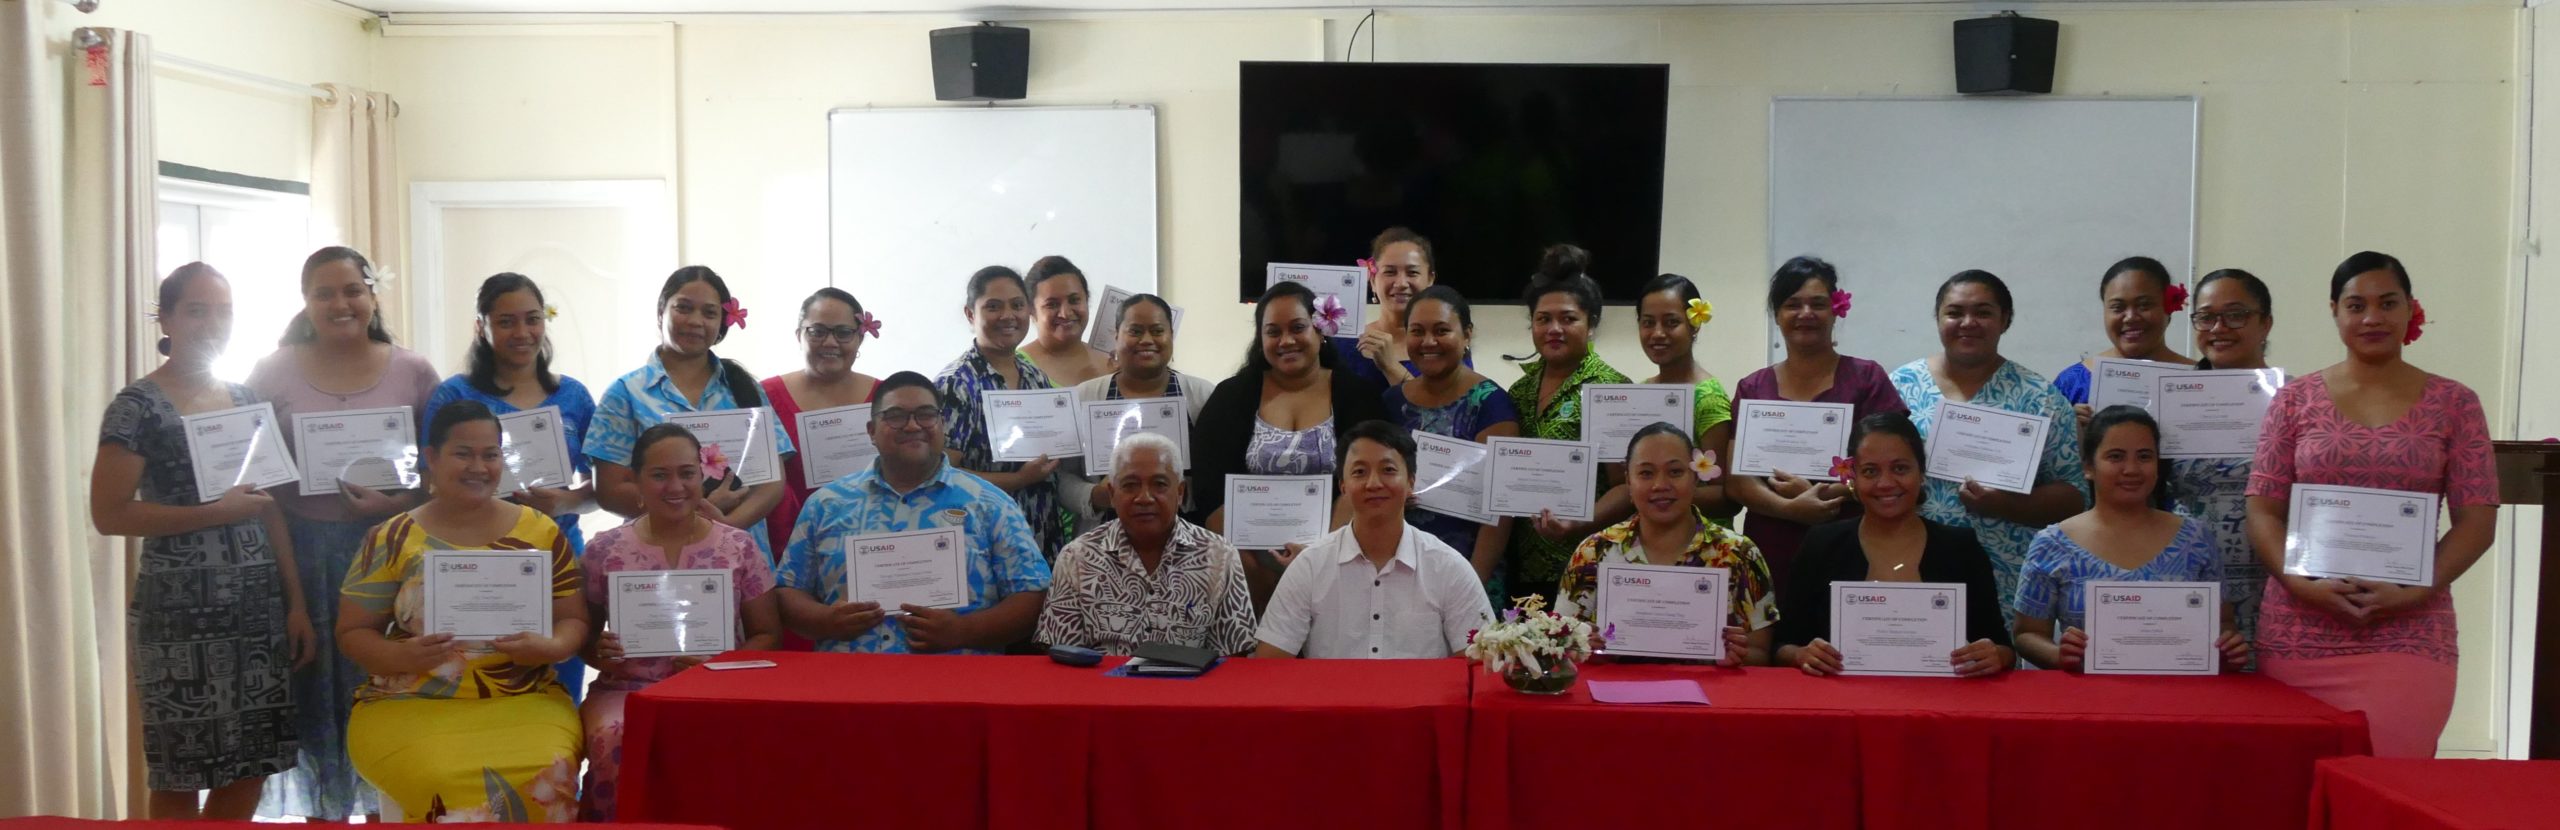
<point x="278" y="643"/>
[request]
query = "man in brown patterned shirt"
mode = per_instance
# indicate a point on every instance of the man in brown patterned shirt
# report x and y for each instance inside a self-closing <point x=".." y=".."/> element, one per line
<point x="1148" y="576"/>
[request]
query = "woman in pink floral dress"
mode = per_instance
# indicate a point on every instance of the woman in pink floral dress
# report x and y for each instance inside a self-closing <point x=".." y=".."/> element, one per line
<point x="2372" y="421"/>
<point x="673" y="533"/>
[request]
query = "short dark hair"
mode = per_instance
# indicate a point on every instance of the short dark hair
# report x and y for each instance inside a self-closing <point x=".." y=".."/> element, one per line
<point x="1394" y="436"/>
<point x="2122" y="415"/>
<point x="299" y="330"/>
<point x="987" y="276"/>
<point x="1400" y="233"/>
<point x="1052" y="266"/>
<point x="2143" y="265"/>
<point x="1893" y="425"/>
<point x="1794" y="273"/>
<point x="1457" y="303"/>
<point x="1564" y="269"/>
<point x="663" y="431"/>
<point x="2362" y="262"/>
<point x="902" y="380"/>
<point x="483" y="361"/>
<point x="1679" y="286"/>
<point x="1254" y="364"/>
<point x="1659" y="428"/>
<point x="2249" y="282"/>
<point x="1986" y="279"/>
<point x="453" y="415"/>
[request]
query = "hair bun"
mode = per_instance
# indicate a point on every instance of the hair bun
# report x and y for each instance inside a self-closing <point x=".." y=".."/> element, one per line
<point x="1563" y="262"/>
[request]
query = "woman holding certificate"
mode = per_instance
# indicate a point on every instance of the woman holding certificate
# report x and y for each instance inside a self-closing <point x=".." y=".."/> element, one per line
<point x="2137" y="295"/>
<point x="2234" y="313"/>
<point x="1669" y="529"/>
<point x="1145" y="349"/>
<point x="1891" y="542"/>
<point x="1445" y="397"/>
<point x="672" y="536"/>
<point x="1564" y="306"/>
<point x="2375" y="422"/>
<point x="832" y="329"/>
<point x="1400" y="267"/>
<point x="2126" y="537"/>
<point x="1059" y="299"/>
<point x="683" y="378"/>
<point x="336" y="357"/>
<point x="465" y="724"/>
<point x="1973" y="310"/>
<point x="1806" y="302"/>
<point x="1283" y="414"/>
<point x="220" y="723"/>
<point x="1669" y="317"/>
<point x="998" y="311"/>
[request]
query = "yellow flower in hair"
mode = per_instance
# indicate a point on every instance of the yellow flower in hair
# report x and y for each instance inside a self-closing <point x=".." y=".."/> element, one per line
<point x="1701" y="311"/>
<point x="550" y="312"/>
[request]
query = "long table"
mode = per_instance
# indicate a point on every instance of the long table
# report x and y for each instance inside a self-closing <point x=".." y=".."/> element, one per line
<point x="2420" y="794"/>
<point x="830" y="740"/>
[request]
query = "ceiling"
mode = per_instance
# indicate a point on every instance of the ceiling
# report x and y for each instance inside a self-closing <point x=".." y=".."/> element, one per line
<point x="999" y="8"/>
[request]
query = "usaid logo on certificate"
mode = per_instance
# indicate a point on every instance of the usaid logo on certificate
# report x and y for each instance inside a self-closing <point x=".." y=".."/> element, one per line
<point x="1631" y="580"/>
<point x="457" y="567"/>
<point x="1611" y="397"/>
<point x="638" y="587"/>
<point x="829" y="421"/>
<point x="208" y="429"/>
<point x="1863" y="599"/>
<point x="2324" y="501"/>
<point x="2188" y="386"/>
<point x="1005" y="403"/>
<point x="2121" y="372"/>
<point x="1961" y="415"/>
<point x="2111" y="599"/>
<point x="1773" y="414"/>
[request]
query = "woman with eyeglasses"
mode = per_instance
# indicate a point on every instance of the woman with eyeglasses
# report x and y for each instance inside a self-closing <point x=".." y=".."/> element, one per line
<point x="832" y="329"/>
<point x="2233" y="314"/>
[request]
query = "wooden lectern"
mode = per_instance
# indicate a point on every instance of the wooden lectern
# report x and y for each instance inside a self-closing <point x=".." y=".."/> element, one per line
<point x="2529" y="473"/>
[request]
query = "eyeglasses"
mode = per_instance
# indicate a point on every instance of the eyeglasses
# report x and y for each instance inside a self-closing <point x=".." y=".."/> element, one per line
<point x="918" y="417"/>
<point x="840" y="334"/>
<point x="2230" y="319"/>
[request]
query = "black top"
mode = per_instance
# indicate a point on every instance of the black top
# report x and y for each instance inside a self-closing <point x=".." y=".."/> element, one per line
<point x="1832" y="553"/>
<point x="1224" y="430"/>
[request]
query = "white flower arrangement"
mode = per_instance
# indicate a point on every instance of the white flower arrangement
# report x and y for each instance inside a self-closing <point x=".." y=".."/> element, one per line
<point x="1532" y="639"/>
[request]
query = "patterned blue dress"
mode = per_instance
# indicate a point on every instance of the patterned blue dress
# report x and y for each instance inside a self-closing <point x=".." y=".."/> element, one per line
<point x="647" y="397"/>
<point x="1003" y="561"/>
<point x="1470" y="415"/>
<point x="2051" y="584"/>
<point x="961" y="384"/>
<point x="2018" y="390"/>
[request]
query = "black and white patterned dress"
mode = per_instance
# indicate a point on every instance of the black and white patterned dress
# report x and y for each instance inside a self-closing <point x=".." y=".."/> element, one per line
<point x="207" y="621"/>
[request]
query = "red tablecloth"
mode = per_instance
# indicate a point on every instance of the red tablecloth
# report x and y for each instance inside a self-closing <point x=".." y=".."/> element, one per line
<point x="922" y="742"/>
<point x="59" y="823"/>
<point x="1779" y="749"/>
<point x="2414" y="794"/>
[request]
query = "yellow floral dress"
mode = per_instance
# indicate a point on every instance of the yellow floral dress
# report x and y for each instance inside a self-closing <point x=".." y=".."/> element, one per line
<point x="479" y="738"/>
<point x="1755" y="606"/>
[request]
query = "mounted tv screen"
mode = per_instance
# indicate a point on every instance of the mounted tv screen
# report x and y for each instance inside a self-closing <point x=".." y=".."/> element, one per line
<point x="1491" y="161"/>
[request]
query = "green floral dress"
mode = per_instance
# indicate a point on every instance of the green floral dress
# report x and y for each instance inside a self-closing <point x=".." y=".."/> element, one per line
<point x="1534" y="560"/>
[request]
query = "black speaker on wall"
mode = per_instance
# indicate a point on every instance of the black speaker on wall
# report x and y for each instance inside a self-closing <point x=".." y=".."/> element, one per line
<point x="2005" y="55"/>
<point x="981" y="63"/>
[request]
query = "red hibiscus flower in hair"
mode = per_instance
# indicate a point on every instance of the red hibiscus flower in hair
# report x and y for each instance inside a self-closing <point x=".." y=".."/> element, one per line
<point x="733" y="314"/>
<point x="2417" y="322"/>
<point x="1839" y="303"/>
<point x="2177" y="295"/>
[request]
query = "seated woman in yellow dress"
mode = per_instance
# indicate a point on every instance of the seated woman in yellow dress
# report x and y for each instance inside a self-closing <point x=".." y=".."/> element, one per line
<point x="453" y="730"/>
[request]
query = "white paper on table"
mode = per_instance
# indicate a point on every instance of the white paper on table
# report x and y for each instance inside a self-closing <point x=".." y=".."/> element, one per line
<point x="1107" y="423"/>
<point x="1996" y="447"/>
<point x="2152" y="627"/>
<point x="1272" y="512"/>
<point x="1529" y="475"/>
<point x="1901" y="628"/>
<point x="673" y="613"/>
<point x="236" y="446"/>
<point x="1664" y="611"/>
<point x="1800" y="438"/>
<point x="926" y="568"/>
<point x="747" y="437"/>
<point x="1025" y="424"/>
<point x="1449" y="476"/>
<point x="376" y="448"/>
<point x="2213" y="414"/>
<point x="536" y="451"/>
<point x="2361" y="532"/>
<point x="835" y="442"/>
<point x="2116" y="381"/>
<point x="1347" y="284"/>
<point x="486" y="594"/>
<point x="1612" y="413"/>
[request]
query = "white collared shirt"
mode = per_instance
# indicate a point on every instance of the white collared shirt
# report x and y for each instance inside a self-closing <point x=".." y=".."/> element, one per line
<point x="1332" y="603"/>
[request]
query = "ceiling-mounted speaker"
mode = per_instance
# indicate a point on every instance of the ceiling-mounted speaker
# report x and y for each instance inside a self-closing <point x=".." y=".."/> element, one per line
<point x="2005" y="55"/>
<point x="981" y="63"/>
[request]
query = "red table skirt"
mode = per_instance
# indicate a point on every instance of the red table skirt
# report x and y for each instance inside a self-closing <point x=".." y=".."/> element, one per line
<point x="2414" y="794"/>
<point x="915" y="743"/>
<point x="2027" y="749"/>
<point x="59" y="823"/>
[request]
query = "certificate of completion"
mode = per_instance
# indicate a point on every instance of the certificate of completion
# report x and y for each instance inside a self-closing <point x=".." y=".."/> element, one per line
<point x="537" y="451"/>
<point x="1107" y="422"/>
<point x="1897" y="627"/>
<point x="1662" y="611"/>
<point x="2213" y="414"/>
<point x="1269" y="512"/>
<point x="835" y="442"/>
<point x="1996" y="447"/>
<point x="1800" y="438"/>
<point x="1537" y="474"/>
<point x="1613" y="412"/>
<point x="923" y="568"/>
<point x="375" y="448"/>
<point x="237" y="446"/>
<point x="1448" y="476"/>
<point x="2115" y="382"/>
<point x="1025" y="424"/>
<point x="745" y="436"/>
<point x="2153" y="627"/>
<point x="1346" y="284"/>
<point x="1104" y="332"/>
<point x="673" y="613"/>
<point x="486" y="594"/>
<point x="2381" y="535"/>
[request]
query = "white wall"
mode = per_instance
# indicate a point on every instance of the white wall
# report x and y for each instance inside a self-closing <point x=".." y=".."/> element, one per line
<point x="2326" y="130"/>
<point x="228" y="126"/>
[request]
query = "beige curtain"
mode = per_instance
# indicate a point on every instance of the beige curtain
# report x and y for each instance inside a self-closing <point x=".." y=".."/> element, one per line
<point x="355" y="187"/>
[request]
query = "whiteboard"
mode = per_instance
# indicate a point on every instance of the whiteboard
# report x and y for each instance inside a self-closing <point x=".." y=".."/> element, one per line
<point x="919" y="199"/>
<point x="1901" y="193"/>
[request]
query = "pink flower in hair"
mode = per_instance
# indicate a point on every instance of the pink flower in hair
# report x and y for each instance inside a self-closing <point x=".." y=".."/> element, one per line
<point x="1839" y="303"/>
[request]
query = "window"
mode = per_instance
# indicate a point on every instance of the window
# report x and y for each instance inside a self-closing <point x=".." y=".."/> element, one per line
<point x="257" y="237"/>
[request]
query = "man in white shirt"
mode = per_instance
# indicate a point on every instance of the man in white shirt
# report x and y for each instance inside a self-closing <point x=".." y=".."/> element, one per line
<point x="1377" y="588"/>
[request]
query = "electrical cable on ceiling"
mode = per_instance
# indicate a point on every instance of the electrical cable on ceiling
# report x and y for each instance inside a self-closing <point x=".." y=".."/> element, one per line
<point x="1354" y="43"/>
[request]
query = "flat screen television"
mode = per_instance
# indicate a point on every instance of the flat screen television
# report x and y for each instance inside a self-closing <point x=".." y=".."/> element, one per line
<point x="1491" y="161"/>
